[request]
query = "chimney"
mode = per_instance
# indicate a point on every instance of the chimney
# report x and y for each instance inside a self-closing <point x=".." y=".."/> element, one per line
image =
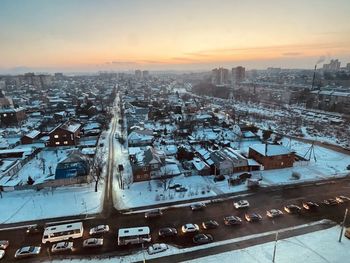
<point x="265" y="149"/>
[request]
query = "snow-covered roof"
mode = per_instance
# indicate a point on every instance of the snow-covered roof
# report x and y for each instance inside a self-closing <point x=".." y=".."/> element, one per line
<point x="33" y="134"/>
<point x="270" y="149"/>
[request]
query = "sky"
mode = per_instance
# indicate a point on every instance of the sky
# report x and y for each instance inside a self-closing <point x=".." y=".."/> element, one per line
<point x="86" y="35"/>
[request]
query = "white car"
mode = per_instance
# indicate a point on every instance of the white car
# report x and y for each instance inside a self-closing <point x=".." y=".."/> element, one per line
<point x="274" y="213"/>
<point x="29" y="251"/>
<point x="62" y="246"/>
<point x="4" y="244"/>
<point x="2" y="253"/>
<point x="241" y="204"/>
<point x="93" y="242"/>
<point x="99" y="230"/>
<point x="190" y="228"/>
<point x="156" y="248"/>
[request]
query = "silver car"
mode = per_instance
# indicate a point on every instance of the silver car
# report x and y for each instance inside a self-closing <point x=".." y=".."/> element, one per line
<point x="62" y="246"/>
<point x="29" y="251"/>
<point x="4" y="244"/>
<point x="101" y="229"/>
<point x="93" y="242"/>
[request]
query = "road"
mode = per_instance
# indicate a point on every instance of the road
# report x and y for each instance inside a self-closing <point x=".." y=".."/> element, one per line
<point x="176" y="217"/>
<point x="108" y="198"/>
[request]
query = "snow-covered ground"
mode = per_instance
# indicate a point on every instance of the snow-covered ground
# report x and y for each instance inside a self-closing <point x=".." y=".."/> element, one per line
<point x="320" y="246"/>
<point x="19" y="206"/>
<point x="315" y="247"/>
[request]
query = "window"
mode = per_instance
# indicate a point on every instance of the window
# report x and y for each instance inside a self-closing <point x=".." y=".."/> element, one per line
<point x="145" y="168"/>
<point x="65" y="142"/>
<point x="57" y="143"/>
<point x="5" y="115"/>
<point x="56" y="136"/>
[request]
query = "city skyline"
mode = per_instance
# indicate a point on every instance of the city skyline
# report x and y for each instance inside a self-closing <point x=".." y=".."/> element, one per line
<point x="158" y="35"/>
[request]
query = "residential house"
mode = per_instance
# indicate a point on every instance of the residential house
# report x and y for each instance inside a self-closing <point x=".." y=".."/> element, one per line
<point x="29" y="138"/>
<point x="65" y="135"/>
<point x="272" y="156"/>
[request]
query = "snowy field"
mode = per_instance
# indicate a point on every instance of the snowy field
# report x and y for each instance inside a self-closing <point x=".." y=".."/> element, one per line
<point x="19" y="206"/>
<point x="315" y="247"/>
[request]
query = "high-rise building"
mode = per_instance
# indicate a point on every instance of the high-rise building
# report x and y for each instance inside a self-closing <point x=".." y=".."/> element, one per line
<point x="238" y="74"/>
<point x="145" y="74"/>
<point x="138" y="74"/>
<point x="219" y="76"/>
<point x="334" y="65"/>
<point x="348" y="67"/>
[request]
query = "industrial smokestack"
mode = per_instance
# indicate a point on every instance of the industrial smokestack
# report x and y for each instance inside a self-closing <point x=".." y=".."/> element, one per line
<point x="313" y="78"/>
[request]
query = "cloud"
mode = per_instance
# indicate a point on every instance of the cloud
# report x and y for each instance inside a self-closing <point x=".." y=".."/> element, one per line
<point x="292" y="54"/>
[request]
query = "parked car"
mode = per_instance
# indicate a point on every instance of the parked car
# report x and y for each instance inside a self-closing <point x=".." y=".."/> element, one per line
<point x="330" y="202"/>
<point x="219" y="178"/>
<point x="62" y="246"/>
<point x="292" y="209"/>
<point x="101" y="229"/>
<point x="232" y="220"/>
<point x="153" y="213"/>
<point x="343" y="198"/>
<point x="174" y="186"/>
<point x="4" y="244"/>
<point x="253" y="217"/>
<point x="241" y="204"/>
<point x="308" y="205"/>
<point x="28" y="251"/>
<point x="272" y="213"/>
<point x="181" y="189"/>
<point x="2" y="253"/>
<point x="197" y="206"/>
<point x="211" y="224"/>
<point x="189" y="228"/>
<point x="202" y="238"/>
<point x="167" y="232"/>
<point x="157" y="248"/>
<point x="35" y="229"/>
<point x="93" y="242"/>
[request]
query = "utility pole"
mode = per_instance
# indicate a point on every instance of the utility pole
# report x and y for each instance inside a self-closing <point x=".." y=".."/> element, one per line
<point x="343" y="224"/>
<point x="274" y="248"/>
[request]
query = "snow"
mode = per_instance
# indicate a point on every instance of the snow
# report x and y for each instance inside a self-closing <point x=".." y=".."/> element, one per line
<point x="19" y="206"/>
<point x="270" y="150"/>
<point x="320" y="246"/>
<point x="151" y="193"/>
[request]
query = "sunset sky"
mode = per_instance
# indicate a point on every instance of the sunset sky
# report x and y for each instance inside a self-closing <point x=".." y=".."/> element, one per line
<point x="76" y="35"/>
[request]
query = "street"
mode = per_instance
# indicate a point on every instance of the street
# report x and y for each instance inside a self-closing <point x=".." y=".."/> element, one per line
<point x="176" y="217"/>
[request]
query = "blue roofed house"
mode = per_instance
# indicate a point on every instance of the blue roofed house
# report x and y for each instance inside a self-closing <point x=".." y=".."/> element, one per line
<point x="76" y="164"/>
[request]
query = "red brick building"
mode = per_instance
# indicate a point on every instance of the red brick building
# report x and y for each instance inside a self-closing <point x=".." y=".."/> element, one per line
<point x="272" y="156"/>
<point x="65" y="135"/>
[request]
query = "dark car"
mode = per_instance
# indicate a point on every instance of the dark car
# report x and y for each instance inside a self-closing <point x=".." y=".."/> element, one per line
<point x="35" y="229"/>
<point x="308" y="205"/>
<point x="211" y="224"/>
<point x="219" y="178"/>
<point x="330" y="202"/>
<point x="253" y="217"/>
<point x="167" y="232"/>
<point x="153" y="213"/>
<point x="202" y="238"/>
<point x="197" y="206"/>
<point x="232" y="220"/>
<point x="292" y="209"/>
<point x="174" y="186"/>
<point x="181" y="189"/>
